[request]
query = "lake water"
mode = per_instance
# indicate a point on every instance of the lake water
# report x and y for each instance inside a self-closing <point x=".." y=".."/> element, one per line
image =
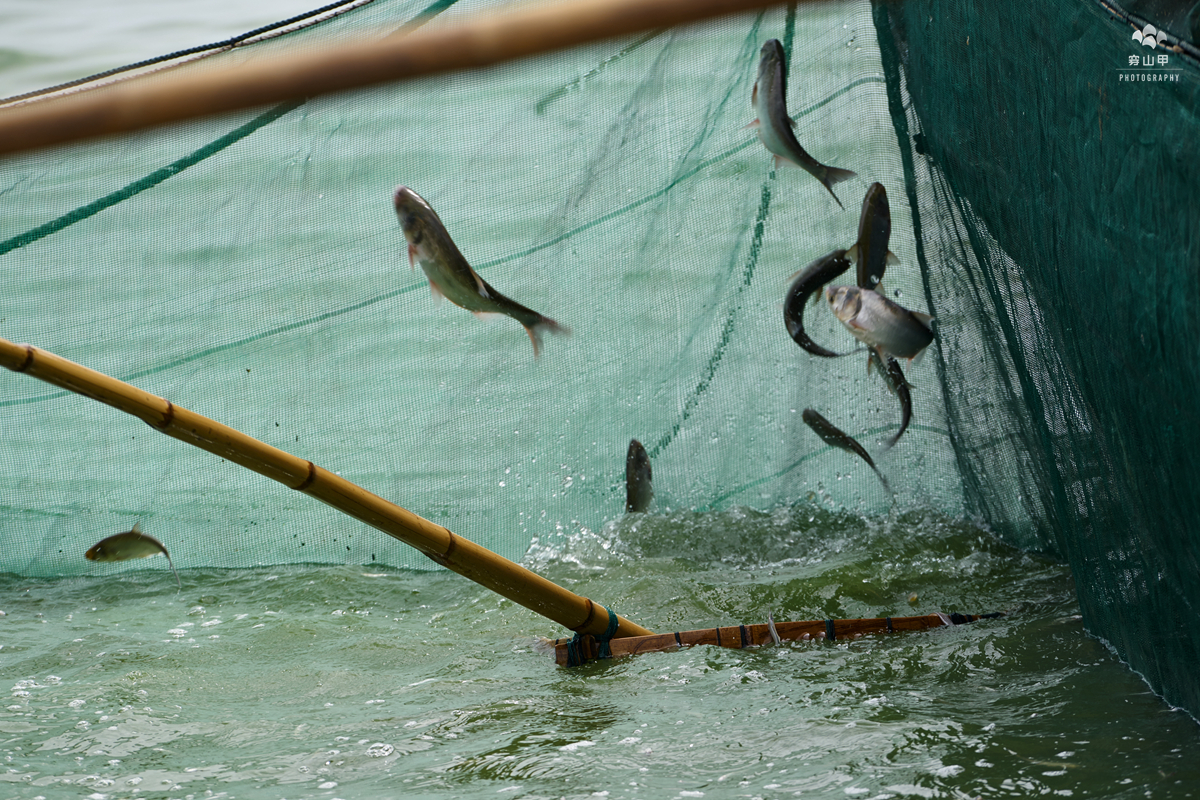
<point x="344" y="682"/>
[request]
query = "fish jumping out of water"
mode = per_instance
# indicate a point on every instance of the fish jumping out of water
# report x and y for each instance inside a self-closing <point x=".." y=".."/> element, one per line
<point x="639" y="490"/>
<point x="835" y="437"/>
<point x="130" y="544"/>
<point x="450" y="275"/>
<point x="871" y="252"/>
<point x="886" y="327"/>
<point x="805" y="285"/>
<point x="897" y="385"/>
<point x="775" y="126"/>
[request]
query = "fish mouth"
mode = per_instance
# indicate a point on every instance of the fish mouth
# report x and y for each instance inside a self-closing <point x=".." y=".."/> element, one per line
<point x="404" y="197"/>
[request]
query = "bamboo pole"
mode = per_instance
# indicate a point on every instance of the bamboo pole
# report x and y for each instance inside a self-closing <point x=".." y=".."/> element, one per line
<point x="448" y="549"/>
<point x="739" y="636"/>
<point x="482" y="40"/>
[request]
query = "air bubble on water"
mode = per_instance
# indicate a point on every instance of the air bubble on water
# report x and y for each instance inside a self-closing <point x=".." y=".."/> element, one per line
<point x="380" y="750"/>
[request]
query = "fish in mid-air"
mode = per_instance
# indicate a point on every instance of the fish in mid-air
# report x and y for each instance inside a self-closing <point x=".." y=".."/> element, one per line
<point x="450" y="275"/>
<point x="805" y="285"/>
<point x="639" y="490"/>
<point x="886" y="327"/>
<point x="871" y="252"/>
<point x="130" y="544"/>
<point x="898" y="385"/>
<point x="775" y="126"/>
<point x="836" y="437"/>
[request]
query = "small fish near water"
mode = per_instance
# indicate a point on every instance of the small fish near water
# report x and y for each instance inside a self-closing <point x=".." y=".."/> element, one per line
<point x="836" y="437"/>
<point x="130" y="544"/>
<point x="775" y="126"/>
<point x="639" y="490"/>
<point x="871" y="252"/>
<point x="450" y="275"/>
<point x="806" y="284"/>
<point x="886" y="327"/>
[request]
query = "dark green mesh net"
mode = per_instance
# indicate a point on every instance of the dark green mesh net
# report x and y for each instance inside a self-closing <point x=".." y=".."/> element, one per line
<point x="1052" y="159"/>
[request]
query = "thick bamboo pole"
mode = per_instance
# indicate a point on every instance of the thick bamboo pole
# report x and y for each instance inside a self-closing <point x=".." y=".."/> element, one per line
<point x="198" y="90"/>
<point x="739" y="636"/>
<point x="448" y="549"/>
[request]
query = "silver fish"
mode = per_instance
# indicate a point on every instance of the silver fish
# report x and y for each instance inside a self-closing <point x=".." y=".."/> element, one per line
<point x="450" y="275"/>
<point x="880" y="324"/>
<point x="835" y="437"/>
<point x="775" y="126"/>
<point x="639" y="490"/>
<point x="805" y="285"/>
<point x="130" y="544"/>
<point x="871" y="252"/>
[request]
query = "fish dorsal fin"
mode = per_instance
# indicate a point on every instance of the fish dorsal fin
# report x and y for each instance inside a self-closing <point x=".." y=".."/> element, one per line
<point x="852" y="253"/>
<point x="137" y="528"/>
<point x="892" y="260"/>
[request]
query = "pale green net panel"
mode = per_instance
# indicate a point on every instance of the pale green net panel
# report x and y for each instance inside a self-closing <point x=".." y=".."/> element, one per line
<point x="251" y="268"/>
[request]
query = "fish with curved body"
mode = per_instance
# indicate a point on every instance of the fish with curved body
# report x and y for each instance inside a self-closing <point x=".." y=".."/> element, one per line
<point x="450" y="275"/>
<point x="871" y="252"/>
<point x="639" y="489"/>
<point x="893" y="376"/>
<point x="836" y="437"/>
<point x="806" y="284"/>
<point x="885" y="326"/>
<point x="774" y="126"/>
<point x="130" y="544"/>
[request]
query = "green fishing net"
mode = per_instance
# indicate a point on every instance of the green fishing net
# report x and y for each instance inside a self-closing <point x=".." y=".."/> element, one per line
<point x="250" y="268"/>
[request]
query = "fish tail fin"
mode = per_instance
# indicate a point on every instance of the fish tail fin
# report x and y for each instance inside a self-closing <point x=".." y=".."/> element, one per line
<point x="886" y="486"/>
<point x="834" y="175"/>
<point x="544" y="324"/>
<point x="829" y="188"/>
<point x="172" y="563"/>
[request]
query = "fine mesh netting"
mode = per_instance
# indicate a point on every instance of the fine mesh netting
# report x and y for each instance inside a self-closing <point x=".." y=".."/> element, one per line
<point x="251" y="268"/>
<point x="1054" y="162"/>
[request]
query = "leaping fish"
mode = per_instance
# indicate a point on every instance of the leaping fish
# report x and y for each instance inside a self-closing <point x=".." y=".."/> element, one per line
<point x="806" y="284"/>
<point x="130" y="544"/>
<point x="888" y="328"/>
<point x="775" y="126"/>
<point x="450" y="275"/>
<point x="871" y="252"/>
<point x="639" y="488"/>
<point x="836" y="437"/>
<point x="893" y="376"/>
